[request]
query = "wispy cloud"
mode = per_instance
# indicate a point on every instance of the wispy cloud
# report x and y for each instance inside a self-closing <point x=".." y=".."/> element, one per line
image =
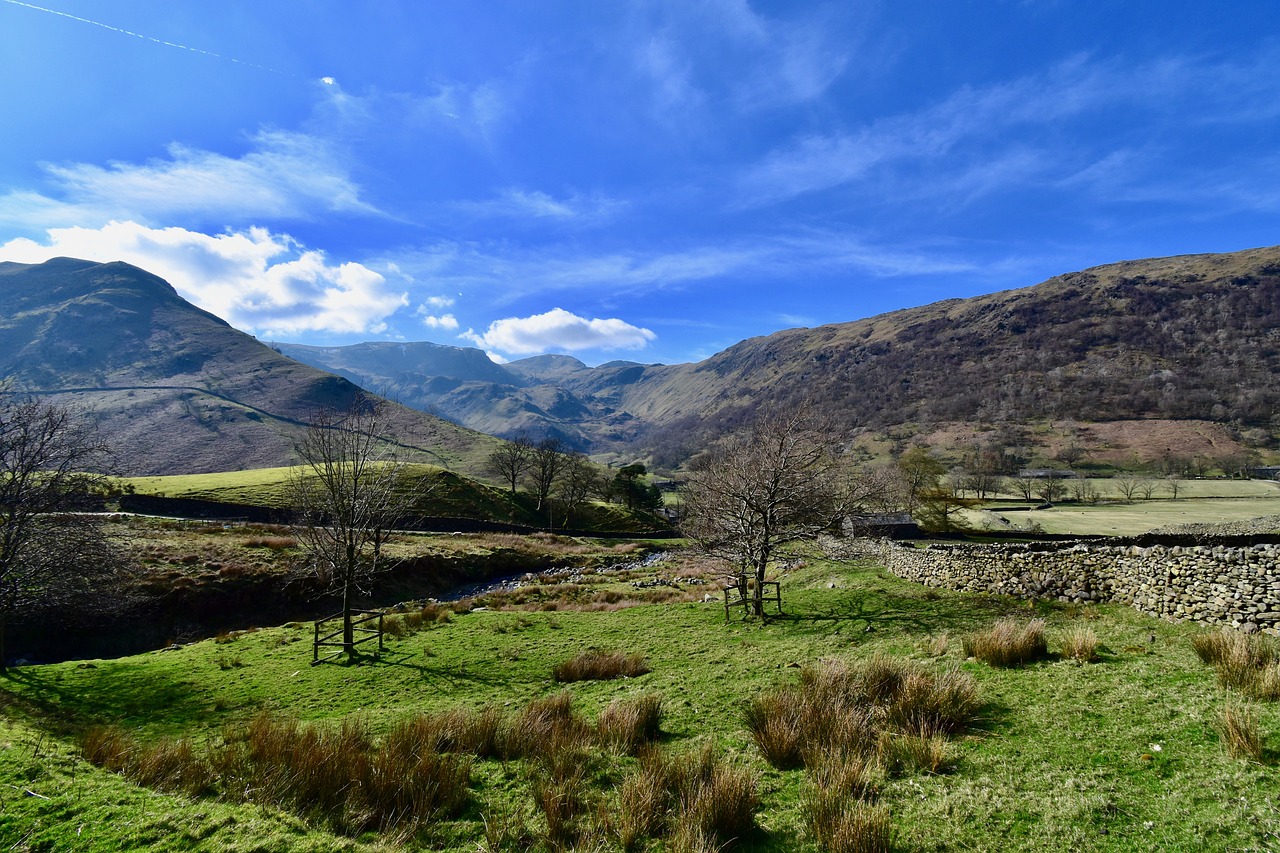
<point x="255" y="280"/>
<point x="504" y="273"/>
<point x="285" y="176"/>
<point x="726" y="52"/>
<point x="559" y="330"/>
<point x="520" y="204"/>
<point x="983" y="139"/>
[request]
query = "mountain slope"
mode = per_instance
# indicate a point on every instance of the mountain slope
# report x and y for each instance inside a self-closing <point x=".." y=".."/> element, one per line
<point x="1191" y="339"/>
<point x="176" y="389"/>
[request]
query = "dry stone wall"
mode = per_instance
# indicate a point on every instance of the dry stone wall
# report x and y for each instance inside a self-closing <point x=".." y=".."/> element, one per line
<point x="1209" y="584"/>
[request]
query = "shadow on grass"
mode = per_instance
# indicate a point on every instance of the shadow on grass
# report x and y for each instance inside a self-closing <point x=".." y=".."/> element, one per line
<point x="69" y="708"/>
<point x="877" y="608"/>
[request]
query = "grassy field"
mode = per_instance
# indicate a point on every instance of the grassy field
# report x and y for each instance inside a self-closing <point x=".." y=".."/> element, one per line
<point x="453" y="496"/>
<point x="1120" y="754"/>
<point x="1198" y="502"/>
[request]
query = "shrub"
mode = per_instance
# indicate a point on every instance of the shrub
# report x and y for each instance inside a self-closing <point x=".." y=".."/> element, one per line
<point x="629" y="724"/>
<point x="1008" y="643"/>
<point x="1080" y="644"/>
<point x="596" y="665"/>
<point x="1238" y="727"/>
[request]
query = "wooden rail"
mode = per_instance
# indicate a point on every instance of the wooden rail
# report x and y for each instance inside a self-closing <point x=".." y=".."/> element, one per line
<point x="739" y="594"/>
<point x="359" y="621"/>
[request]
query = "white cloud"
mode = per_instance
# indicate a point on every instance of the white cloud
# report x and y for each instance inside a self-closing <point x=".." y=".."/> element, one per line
<point x="444" y="321"/>
<point x="285" y="176"/>
<point x="558" y="329"/>
<point x="255" y="280"/>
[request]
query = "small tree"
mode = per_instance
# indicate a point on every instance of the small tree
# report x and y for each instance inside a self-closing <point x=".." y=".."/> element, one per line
<point x="47" y="551"/>
<point x="758" y="490"/>
<point x="348" y="492"/>
<point x="629" y="486"/>
<point x="511" y="460"/>
<point x="578" y="480"/>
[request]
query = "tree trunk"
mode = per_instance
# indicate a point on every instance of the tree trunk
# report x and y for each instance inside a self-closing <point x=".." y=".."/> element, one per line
<point x="3" y="626"/>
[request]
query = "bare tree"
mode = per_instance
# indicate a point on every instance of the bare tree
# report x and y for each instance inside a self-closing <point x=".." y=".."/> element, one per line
<point x="544" y="468"/>
<point x="578" y="481"/>
<point x="511" y="460"/>
<point x="758" y="490"/>
<point x="48" y="550"/>
<point x="1050" y="489"/>
<point x="348" y="491"/>
<point x="1128" y="485"/>
<point x="1173" y="482"/>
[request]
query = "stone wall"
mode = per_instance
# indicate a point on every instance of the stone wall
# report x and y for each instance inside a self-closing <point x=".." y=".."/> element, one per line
<point x="1209" y="584"/>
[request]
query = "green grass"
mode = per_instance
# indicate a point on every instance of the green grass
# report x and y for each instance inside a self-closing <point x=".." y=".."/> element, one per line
<point x="454" y="496"/>
<point x="1065" y="757"/>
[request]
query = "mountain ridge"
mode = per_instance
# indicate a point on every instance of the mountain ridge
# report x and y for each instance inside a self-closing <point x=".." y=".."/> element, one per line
<point x="177" y="389"/>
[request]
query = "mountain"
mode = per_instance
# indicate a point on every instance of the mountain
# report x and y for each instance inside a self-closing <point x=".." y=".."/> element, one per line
<point x="535" y="396"/>
<point x="1190" y="342"/>
<point x="175" y="389"/>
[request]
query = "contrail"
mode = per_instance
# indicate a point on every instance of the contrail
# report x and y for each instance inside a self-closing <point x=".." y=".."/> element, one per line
<point x="147" y="38"/>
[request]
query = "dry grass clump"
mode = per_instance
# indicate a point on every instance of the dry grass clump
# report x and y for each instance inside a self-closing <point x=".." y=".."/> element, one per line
<point x="335" y="774"/>
<point x="695" y="799"/>
<point x="627" y="725"/>
<point x="271" y="543"/>
<point x="597" y="665"/>
<point x="895" y="713"/>
<point x="1080" y="644"/>
<point x="1008" y="643"/>
<point x="1238" y="727"/>
<point x="1249" y="663"/>
<point x="169" y="764"/>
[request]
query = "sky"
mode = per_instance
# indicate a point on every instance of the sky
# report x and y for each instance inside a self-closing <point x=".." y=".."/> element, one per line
<point x="648" y="181"/>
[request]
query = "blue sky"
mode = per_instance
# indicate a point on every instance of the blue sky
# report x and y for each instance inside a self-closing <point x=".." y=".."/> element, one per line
<point x="648" y="181"/>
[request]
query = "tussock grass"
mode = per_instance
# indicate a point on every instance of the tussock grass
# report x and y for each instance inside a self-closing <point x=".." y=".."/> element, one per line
<point x="1249" y="663"/>
<point x="628" y="725"/>
<point x="1009" y="643"/>
<point x="333" y="774"/>
<point x="695" y="799"/>
<point x="1241" y="735"/>
<point x="597" y="665"/>
<point x="1080" y="644"/>
<point x="839" y="825"/>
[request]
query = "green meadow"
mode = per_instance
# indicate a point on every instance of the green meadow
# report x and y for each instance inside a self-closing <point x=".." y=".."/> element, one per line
<point x="1122" y="753"/>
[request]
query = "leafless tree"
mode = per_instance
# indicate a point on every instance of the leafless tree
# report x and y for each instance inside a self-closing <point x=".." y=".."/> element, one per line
<point x="1024" y="485"/>
<point x="1173" y="482"/>
<point x="756" y="491"/>
<point x="1128" y="485"/>
<point x="578" y="480"/>
<point x="544" y="468"/>
<point x="1050" y="489"/>
<point x="48" y="549"/>
<point x="348" y="492"/>
<point x="511" y="460"/>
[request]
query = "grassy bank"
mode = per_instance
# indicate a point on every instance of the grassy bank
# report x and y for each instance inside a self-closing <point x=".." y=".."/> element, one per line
<point x="1119" y="754"/>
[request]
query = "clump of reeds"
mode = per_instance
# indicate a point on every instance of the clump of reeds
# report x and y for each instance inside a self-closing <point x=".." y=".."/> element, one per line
<point x="1249" y="663"/>
<point x="597" y="665"/>
<point x="1009" y="643"/>
<point x="1241" y="735"/>
<point x="1080" y="644"/>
